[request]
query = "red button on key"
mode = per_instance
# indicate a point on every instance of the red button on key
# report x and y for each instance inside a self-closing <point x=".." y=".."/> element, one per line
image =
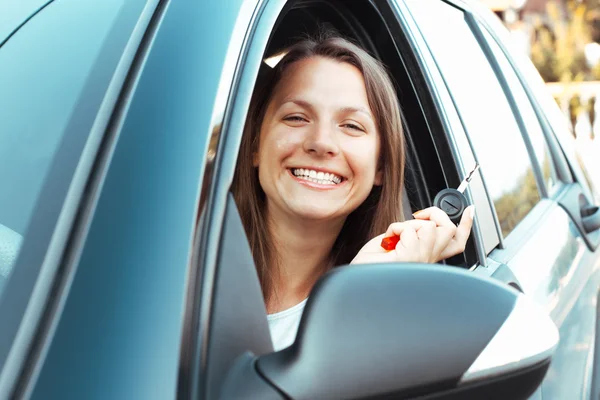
<point x="389" y="243"/>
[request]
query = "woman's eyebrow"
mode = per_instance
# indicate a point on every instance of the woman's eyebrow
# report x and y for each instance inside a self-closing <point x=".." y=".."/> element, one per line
<point x="347" y="109"/>
<point x="363" y="110"/>
<point x="299" y="102"/>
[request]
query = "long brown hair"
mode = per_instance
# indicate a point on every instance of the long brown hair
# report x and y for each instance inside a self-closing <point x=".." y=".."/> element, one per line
<point x="383" y="205"/>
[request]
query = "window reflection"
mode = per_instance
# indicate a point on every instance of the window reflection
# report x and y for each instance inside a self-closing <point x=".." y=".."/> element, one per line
<point x="484" y="109"/>
<point x="532" y="124"/>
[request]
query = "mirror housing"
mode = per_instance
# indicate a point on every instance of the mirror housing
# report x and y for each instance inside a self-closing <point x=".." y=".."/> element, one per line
<point x="406" y="330"/>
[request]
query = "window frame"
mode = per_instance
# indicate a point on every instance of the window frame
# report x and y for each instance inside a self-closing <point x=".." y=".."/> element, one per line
<point x="557" y="154"/>
<point x="489" y="53"/>
<point x="533" y="115"/>
<point x="245" y="54"/>
<point x="434" y="110"/>
<point x="486" y="228"/>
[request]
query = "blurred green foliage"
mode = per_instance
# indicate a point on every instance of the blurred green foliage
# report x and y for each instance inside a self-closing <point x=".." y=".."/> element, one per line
<point x="558" y="47"/>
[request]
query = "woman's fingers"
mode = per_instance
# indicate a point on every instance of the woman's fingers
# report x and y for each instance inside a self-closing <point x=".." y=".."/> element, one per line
<point x="407" y="247"/>
<point x="398" y="227"/>
<point x="436" y="215"/>
<point x="463" y="230"/>
<point x="430" y="237"/>
<point x="445" y="231"/>
<point x="466" y="223"/>
<point x="417" y="240"/>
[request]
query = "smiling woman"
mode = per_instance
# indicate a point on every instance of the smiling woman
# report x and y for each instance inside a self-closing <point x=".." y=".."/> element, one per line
<point x="321" y="172"/>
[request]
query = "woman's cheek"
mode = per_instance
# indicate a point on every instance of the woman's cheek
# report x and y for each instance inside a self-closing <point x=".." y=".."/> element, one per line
<point x="362" y="154"/>
<point x="287" y="141"/>
<point x="276" y="144"/>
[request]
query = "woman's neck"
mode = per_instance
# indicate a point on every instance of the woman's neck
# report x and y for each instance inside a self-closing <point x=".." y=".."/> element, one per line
<point x="303" y="249"/>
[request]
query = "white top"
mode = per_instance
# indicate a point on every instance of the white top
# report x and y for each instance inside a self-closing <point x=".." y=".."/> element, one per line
<point x="284" y="325"/>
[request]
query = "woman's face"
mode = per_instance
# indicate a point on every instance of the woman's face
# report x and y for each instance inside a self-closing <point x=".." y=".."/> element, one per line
<point x="319" y="147"/>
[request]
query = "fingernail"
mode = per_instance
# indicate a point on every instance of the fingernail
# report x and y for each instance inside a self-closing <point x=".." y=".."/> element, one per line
<point x="417" y="213"/>
<point x="472" y="211"/>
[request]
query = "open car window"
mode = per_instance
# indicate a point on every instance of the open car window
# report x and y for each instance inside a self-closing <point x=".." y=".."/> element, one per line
<point x="430" y="163"/>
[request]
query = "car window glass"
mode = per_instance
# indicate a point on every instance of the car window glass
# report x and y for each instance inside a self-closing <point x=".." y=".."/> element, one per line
<point x="484" y="108"/>
<point x="43" y="71"/>
<point x="532" y="124"/>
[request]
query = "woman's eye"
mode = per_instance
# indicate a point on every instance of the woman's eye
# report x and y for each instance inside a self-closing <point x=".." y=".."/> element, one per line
<point x="353" y="127"/>
<point x="294" y="118"/>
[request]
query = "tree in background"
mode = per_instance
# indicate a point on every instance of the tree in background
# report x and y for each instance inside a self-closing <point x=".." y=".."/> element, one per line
<point x="593" y="18"/>
<point x="558" y="50"/>
<point x="560" y="39"/>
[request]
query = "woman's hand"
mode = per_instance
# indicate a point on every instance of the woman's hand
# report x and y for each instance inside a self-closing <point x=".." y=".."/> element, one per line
<point x="428" y="238"/>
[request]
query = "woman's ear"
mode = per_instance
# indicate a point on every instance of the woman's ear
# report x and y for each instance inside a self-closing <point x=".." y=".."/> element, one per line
<point x="255" y="159"/>
<point x="378" y="178"/>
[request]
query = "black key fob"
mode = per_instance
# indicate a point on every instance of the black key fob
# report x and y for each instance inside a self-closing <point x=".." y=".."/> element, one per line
<point x="452" y="202"/>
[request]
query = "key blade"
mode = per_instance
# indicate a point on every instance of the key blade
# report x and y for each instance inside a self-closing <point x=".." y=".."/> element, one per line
<point x="467" y="180"/>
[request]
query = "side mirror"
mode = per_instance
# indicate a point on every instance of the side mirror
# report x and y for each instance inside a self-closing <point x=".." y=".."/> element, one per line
<point x="410" y="330"/>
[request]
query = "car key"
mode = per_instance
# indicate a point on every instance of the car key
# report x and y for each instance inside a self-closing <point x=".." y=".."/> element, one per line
<point x="452" y="201"/>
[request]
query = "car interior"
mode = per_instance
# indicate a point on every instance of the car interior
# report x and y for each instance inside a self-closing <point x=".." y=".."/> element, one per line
<point x="363" y="23"/>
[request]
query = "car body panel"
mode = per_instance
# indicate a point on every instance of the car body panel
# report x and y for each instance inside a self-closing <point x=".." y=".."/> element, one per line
<point x="555" y="268"/>
<point x="148" y="209"/>
<point x="13" y="15"/>
<point x="569" y="282"/>
<point x="65" y="169"/>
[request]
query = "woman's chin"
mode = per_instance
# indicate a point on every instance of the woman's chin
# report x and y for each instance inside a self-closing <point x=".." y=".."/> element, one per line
<point x="317" y="213"/>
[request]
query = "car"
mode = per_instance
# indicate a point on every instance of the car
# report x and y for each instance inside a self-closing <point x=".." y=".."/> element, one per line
<point x="125" y="272"/>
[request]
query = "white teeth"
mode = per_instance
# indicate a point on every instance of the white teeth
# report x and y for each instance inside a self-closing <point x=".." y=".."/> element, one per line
<point x="323" y="178"/>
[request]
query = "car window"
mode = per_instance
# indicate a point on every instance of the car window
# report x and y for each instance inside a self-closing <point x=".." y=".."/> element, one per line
<point x="532" y="124"/>
<point x="44" y="69"/>
<point x="486" y="113"/>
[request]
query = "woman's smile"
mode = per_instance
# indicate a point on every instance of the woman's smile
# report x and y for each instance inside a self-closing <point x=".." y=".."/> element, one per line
<point x="317" y="179"/>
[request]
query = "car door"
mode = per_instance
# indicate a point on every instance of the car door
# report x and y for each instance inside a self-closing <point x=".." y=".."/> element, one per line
<point x="58" y="89"/>
<point x="539" y="245"/>
<point x="103" y="301"/>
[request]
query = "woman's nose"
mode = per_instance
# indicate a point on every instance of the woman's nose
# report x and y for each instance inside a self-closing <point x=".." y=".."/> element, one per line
<point x="321" y="141"/>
